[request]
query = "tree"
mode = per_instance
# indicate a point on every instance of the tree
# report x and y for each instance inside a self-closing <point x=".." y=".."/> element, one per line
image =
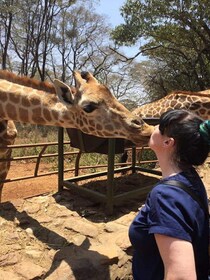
<point x="125" y="82"/>
<point x="52" y="38"/>
<point x="6" y="19"/>
<point x="26" y="31"/>
<point x="81" y="40"/>
<point x="174" y="36"/>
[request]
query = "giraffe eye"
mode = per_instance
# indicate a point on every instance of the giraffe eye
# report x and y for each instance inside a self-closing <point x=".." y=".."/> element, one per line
<point x="90" y="107"/>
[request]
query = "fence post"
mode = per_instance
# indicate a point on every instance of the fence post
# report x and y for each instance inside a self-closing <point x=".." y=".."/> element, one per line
<point x="110" y="176"/>
<point x="60" y="159"/>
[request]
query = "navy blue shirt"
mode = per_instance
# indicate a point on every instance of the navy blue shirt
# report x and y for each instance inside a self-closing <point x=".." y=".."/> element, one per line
<point x="170" y="211"/>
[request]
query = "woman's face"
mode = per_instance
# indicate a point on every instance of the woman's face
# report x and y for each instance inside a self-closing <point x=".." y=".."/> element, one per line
<point x="156" y="141"/>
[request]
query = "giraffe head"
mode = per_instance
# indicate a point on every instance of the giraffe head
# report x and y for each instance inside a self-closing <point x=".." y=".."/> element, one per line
<point x="99" y="113"/>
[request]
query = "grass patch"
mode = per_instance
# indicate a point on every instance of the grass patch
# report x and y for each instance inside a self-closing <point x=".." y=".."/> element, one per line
<point x="31" y="134"/>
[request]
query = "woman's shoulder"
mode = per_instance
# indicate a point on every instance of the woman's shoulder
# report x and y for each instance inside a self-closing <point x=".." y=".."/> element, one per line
<point x="163" y="184"/>
<point x="189" y="178"/>
<point x="173" y="193"/>
<point x="163" y="189"/>
<point x="168" y="190"/>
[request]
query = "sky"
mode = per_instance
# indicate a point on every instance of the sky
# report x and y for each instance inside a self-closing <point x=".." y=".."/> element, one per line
<point x="111" y="8"/>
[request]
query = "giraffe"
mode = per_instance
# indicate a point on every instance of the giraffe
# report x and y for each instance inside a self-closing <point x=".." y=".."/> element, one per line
<point x="89" y="106"/>
<point x="197" y="102"/>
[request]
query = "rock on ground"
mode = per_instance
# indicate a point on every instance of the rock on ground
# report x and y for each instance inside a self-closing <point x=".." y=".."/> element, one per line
<point x="66" y="237"/>
<point x="41" y="238"/>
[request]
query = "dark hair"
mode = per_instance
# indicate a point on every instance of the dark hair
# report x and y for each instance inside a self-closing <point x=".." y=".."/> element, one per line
<point x="191" y="147"/>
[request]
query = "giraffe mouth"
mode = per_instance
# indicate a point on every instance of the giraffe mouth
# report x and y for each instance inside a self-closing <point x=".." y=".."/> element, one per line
<point x="142" y="135"/>
<point x="144" y="128"/>
<point x="140" y="140"/>
<point x="147" y="130"/>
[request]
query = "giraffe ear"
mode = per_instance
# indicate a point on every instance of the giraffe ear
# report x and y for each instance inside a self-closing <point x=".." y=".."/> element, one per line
<point x="64" y="92"/>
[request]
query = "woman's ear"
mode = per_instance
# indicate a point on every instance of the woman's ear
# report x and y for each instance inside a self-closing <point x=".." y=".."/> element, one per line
<point x="169" y="142"/>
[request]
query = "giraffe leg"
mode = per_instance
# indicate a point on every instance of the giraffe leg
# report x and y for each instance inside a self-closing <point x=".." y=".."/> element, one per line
<point x="8" y="134"/>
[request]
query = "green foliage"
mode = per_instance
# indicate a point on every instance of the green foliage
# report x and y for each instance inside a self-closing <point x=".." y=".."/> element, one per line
<point x="30" y="134"/>
<point x="129" y="104"/>
<point x="91" y="159"/>
<point x="148" y="155"/>
<point x="50" y="39"/>
<point x="175" y="36"/>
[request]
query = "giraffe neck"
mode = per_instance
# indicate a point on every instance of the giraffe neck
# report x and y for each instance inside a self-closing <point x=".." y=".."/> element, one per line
<point x="197" y="102"/>
<point x="28" y="105"/>
<point x="26" y="81"/>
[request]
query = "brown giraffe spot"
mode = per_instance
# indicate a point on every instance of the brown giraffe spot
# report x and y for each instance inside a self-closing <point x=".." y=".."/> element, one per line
<point x="207" y="105"/>
<point x="177" y="106"/>
<point x="47" y="115"/>
<point x="194" y="106"/>
<point x="66" y="116"/>
<point x="90" y="128"/>
<point x="55" y="114"/>
<point x="173" y="103"/>
<point x="117" y="125"/>
<point x="23" y="113"/>
<point x="73" y="117"/>
<point x="92" y="123"/>
<point x="15" y="98"/>
<point x="25" y="102"/>
<point x="98" y="127"/>
<point x="35" y="100"/>
<point x="38" y="120"/>
<point x="37" y="111"/>
<point x="109" y="127"/>
<point x="10" y="108"/>
<point x="4" y="96"/>
<point x="157" y="109"/>
<point x="85" y="130"/>
<point x="80" y="123"/>
<point x="85" y="122"/>
<point x="37" y="116"/>
<point x="190" y="99"/>
<point x="1" y="108"/>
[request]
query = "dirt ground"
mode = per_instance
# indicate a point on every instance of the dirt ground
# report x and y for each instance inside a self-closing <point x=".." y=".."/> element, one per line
<point x="29" y="187"/>
<point x="49" y="184"/>
<point x="50" y="232"/>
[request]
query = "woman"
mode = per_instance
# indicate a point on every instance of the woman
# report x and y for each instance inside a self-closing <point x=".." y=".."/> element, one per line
<point x="170" y="233"/>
